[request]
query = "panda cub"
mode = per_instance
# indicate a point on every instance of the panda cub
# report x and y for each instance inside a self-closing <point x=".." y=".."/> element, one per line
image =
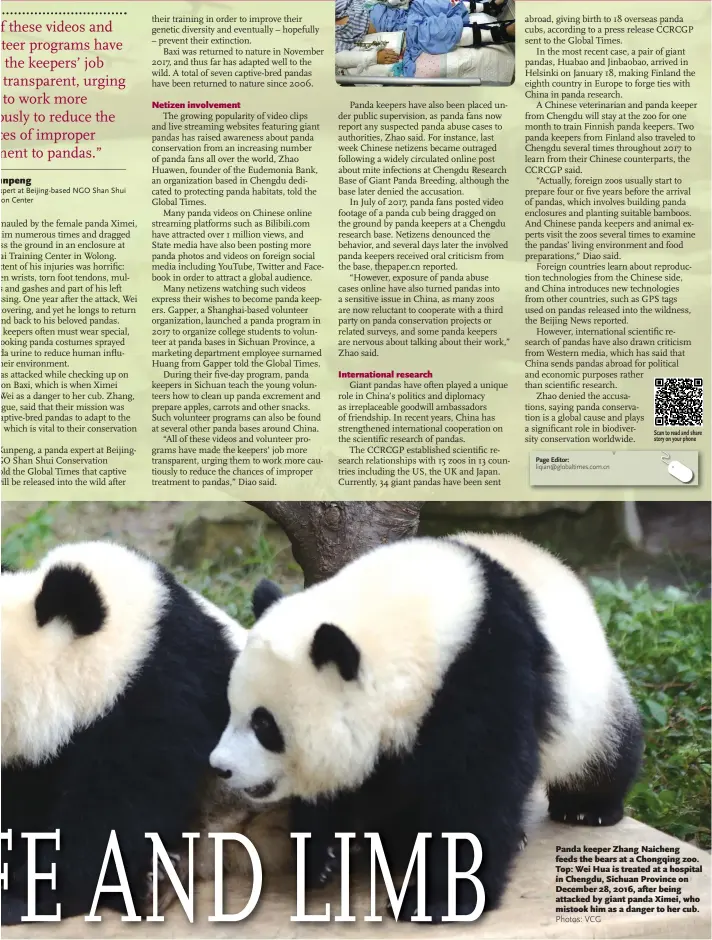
<point x="114" y="682"/>
<point x="425" y="688"/>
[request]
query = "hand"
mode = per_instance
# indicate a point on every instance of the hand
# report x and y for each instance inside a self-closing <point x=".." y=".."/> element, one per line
<point x="387" y="57"/>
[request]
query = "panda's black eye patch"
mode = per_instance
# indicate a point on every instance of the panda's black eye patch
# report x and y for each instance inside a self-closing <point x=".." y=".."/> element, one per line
<point x="266" y="730"/>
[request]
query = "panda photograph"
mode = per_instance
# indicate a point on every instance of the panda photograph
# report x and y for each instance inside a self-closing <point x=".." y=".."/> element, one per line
<point x="113" y="693"/>
<point x="413" y="709"/>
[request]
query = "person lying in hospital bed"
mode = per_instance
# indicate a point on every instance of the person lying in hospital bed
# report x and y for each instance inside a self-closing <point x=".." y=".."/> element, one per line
<point x="368" y="33"/>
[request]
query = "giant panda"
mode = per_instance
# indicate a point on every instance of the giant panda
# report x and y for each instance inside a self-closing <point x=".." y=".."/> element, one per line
<point x="426" y="687"/>
<point x="114" y="681"/>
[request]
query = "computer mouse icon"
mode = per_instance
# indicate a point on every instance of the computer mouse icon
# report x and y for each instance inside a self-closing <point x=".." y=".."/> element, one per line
<point x="680" y="471"/>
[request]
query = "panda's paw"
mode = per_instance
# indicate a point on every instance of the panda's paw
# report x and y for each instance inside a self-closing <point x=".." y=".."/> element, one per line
<point x="331" y="865"/>
<point x="13" y="910"/>
<point x="165" y="892"/>
<point x="322" y="864"/>
<point x="596" y="817"/>
<point x="523" y="841"/>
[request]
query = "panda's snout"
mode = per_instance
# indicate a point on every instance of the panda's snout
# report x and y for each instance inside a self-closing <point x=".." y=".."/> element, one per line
<point x="240" y="760"/>
<point x="219" y="768"/>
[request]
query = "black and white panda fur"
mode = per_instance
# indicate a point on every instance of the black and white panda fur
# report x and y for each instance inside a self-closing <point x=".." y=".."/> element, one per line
<point x="114" y="682"/>
<point x="425" y="688"/>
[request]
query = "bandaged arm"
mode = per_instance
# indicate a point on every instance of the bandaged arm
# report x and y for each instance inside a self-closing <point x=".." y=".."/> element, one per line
<point x="356" y="58"/>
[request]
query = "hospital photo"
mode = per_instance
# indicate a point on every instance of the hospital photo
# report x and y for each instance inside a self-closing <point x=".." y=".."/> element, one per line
<point x="424" y="42"/>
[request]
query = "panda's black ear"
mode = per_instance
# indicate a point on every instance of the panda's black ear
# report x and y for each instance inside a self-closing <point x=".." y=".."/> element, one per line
<point x="331" y="645"/>
<point x="71" y="594"/>
<point x="264" y="595"/>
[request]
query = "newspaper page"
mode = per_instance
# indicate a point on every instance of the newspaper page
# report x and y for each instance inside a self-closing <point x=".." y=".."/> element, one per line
<point x="294" y="295"/>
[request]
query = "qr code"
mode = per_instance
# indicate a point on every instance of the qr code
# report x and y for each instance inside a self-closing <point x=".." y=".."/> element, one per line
<point x="678" y="402"/>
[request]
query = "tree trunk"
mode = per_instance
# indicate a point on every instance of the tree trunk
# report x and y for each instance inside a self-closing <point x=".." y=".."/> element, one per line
<point x="325" y="536"/>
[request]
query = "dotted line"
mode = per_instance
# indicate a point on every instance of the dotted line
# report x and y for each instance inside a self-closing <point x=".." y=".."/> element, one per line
<point x="68" y="13"/>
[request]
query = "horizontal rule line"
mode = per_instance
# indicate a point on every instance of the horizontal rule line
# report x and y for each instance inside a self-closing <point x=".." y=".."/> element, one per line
<point x="67" y="169"/>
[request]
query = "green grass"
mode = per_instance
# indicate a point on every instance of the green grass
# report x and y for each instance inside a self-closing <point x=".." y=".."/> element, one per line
<point x="662" y="641"/>
<point x="231" y="588"/>
<point x="24" y="544"/>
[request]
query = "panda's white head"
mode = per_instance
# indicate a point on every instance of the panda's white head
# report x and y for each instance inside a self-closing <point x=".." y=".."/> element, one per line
<point x="335" y="676"/>
<point x="74" y="632"/>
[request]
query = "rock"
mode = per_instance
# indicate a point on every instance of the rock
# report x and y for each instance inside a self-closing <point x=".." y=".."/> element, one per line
<point x="579" y="532"/>
<point x="216" y="531"/>
<point x="679" y="527"/>
<point x="528" y="910"/>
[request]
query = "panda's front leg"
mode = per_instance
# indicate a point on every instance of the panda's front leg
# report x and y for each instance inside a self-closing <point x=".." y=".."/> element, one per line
<point x="480" y="792"/>
<point x="13" y="910"/>
<point x="322" y="820"/>
<point x="479" y="889"/>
